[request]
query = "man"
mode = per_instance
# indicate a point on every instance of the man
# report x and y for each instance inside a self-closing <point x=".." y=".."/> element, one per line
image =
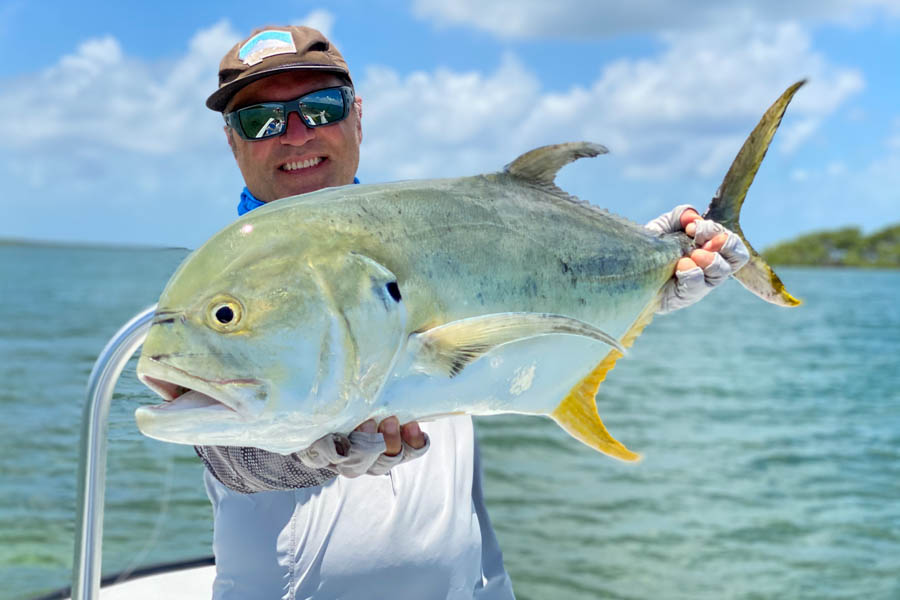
<point x="355" y="517"/>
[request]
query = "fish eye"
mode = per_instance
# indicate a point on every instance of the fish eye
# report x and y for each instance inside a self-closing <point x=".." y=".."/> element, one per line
<point x="224" y="313"/>
<point x="394" y="290"/>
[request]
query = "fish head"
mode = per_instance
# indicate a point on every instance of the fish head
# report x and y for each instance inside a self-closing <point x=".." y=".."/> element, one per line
<point x="270" y="347"/>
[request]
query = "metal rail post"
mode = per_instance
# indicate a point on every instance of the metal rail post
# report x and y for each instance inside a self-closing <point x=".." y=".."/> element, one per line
<point x="92" y="463"/>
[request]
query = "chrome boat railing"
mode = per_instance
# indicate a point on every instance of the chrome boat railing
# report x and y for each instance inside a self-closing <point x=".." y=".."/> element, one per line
<point x="92" y="463"/>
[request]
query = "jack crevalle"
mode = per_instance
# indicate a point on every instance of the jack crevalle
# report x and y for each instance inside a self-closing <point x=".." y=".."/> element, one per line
<point x="498" y="293"/>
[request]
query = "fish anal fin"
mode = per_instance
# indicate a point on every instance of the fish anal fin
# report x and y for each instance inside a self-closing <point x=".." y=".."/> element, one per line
<point x="577" y="413"/>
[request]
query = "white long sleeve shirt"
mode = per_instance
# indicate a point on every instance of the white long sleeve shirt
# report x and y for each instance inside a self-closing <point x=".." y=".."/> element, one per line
<point x="421" y="531"/>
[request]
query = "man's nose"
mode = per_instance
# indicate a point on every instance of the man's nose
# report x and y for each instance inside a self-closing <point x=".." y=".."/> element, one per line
<point x="297" y="133"/>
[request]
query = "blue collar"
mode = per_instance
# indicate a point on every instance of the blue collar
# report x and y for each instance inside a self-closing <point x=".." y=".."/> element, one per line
<point x="249" y="202"/>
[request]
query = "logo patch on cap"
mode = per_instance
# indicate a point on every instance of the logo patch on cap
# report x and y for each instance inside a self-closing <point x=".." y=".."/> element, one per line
<point x="264" y="44"/>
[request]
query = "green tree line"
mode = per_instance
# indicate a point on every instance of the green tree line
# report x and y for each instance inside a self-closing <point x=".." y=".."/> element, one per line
<point x="846" y="247"/>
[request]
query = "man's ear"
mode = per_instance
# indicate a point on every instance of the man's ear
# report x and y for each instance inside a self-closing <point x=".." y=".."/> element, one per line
<point x="357" y="106"/>
<point x="228" y="134"/>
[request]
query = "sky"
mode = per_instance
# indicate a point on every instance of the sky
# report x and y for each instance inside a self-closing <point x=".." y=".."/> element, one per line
<point x="107" y="138"/>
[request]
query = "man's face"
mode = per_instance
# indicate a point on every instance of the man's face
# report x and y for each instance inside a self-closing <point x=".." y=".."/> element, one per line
<point x="303" y="159"/>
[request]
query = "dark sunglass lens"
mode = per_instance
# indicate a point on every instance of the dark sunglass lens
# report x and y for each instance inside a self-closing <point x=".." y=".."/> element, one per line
<point x="322" y="107"/>
<point x="261" y="121"/>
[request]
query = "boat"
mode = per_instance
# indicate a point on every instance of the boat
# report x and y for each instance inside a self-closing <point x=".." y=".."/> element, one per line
<point x="175" y="581"/>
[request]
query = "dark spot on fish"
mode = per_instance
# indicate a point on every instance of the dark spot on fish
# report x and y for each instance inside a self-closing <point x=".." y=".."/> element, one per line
<point x="394" y="290"/>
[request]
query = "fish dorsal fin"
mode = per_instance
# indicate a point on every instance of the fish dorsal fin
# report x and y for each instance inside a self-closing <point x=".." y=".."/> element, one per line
<point x="577" y="413"/>
<point x="447" y="349"/>
<point x="539" y="166"/>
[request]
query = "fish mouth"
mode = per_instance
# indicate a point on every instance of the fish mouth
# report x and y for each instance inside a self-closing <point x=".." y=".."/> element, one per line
<point x="182" y="390"/>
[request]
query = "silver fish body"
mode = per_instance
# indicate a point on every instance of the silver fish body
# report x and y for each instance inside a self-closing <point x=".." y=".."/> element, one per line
<point x="489" y="294"/>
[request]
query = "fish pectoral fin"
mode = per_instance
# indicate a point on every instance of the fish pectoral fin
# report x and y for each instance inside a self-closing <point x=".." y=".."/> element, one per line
<point x="539" y="166"/>
<point x="448" y="348"/>
<point x="577" y="413"/>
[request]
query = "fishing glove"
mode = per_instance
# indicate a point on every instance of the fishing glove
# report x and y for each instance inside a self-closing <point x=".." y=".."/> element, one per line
<point x="251" y="470"/>
<point x="688" y="287"/>
<point x="360" y="453"/>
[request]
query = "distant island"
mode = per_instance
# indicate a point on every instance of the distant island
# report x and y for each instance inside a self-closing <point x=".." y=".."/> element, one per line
<point x="43" y="243"/>
<point x="846" y="247"/>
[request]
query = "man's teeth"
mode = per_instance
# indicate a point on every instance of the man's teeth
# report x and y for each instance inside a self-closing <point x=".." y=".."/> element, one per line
<point x="310" y="162"/>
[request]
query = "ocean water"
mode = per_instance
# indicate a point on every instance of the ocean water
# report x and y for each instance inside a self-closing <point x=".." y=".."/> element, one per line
<point x="771" y="443"/>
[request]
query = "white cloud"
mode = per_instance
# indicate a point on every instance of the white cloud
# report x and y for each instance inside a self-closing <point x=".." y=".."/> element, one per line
<point x="101" y="98"/>
<point x="591" y="19"/>
<point x="126" y="137"/>
<point x="116" y="136"/>
<point x="440" y="123"/>
<point x="685" y="111"/>
<point x="319" y="19"/>
<point x="800" y="175"/>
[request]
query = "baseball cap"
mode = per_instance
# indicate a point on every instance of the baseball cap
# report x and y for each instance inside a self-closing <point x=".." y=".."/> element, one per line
<point x="272" y="50"/>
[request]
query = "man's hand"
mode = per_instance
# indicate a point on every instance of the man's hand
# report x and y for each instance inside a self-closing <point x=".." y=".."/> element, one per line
<point x="395" y="436"/>
<point x="368" y="450"/>
<point x="719" y="253"/>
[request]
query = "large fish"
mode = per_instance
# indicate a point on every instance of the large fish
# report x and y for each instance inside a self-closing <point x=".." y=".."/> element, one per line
<point x="498" y="293"/>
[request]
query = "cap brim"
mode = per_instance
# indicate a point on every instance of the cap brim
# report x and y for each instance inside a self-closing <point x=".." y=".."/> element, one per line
<point x="219" y="99"/>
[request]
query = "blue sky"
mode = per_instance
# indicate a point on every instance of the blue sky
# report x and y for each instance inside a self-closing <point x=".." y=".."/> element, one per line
<point x="107" y="138"/>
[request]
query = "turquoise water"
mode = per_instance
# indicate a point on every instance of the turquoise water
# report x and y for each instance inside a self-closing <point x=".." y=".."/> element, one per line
<point x="771" y="440"/>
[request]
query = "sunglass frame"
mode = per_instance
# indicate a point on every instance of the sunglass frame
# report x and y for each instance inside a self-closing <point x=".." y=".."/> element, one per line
<point x="233" y="120"/>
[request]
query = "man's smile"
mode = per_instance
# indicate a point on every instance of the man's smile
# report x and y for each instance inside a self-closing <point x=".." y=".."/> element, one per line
<point x="302" y="164"/>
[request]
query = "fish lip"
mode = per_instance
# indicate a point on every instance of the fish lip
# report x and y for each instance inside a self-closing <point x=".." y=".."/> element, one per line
<point x="170" y="382"/>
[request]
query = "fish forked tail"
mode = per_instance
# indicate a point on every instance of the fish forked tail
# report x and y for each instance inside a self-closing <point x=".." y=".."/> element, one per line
<point x="757" y="276"/>
<point x="577" y="413"/>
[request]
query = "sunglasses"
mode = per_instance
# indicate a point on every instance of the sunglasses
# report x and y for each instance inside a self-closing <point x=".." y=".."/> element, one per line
<point x="269" y="119"/>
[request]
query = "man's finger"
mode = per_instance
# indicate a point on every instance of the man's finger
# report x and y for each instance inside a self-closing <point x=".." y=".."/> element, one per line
<point x="412" y="435"/>
<point x="390" y="429"/>
<point x="684" y="264"/>
<point x="735" y="252"/>
<point x="687" y="221"/>
<point x="717" y="271"/>
<point x="715" y="244"/>
<point x="368" y="427"/>
<point x="703" y="258"/>
<point x="683" y="290"/>
<point x="671" y="221"/>
<point x="707" y="230"/>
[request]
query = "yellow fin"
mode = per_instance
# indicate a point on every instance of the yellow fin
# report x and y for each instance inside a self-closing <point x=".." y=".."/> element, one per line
<point x="577" y="413"/>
